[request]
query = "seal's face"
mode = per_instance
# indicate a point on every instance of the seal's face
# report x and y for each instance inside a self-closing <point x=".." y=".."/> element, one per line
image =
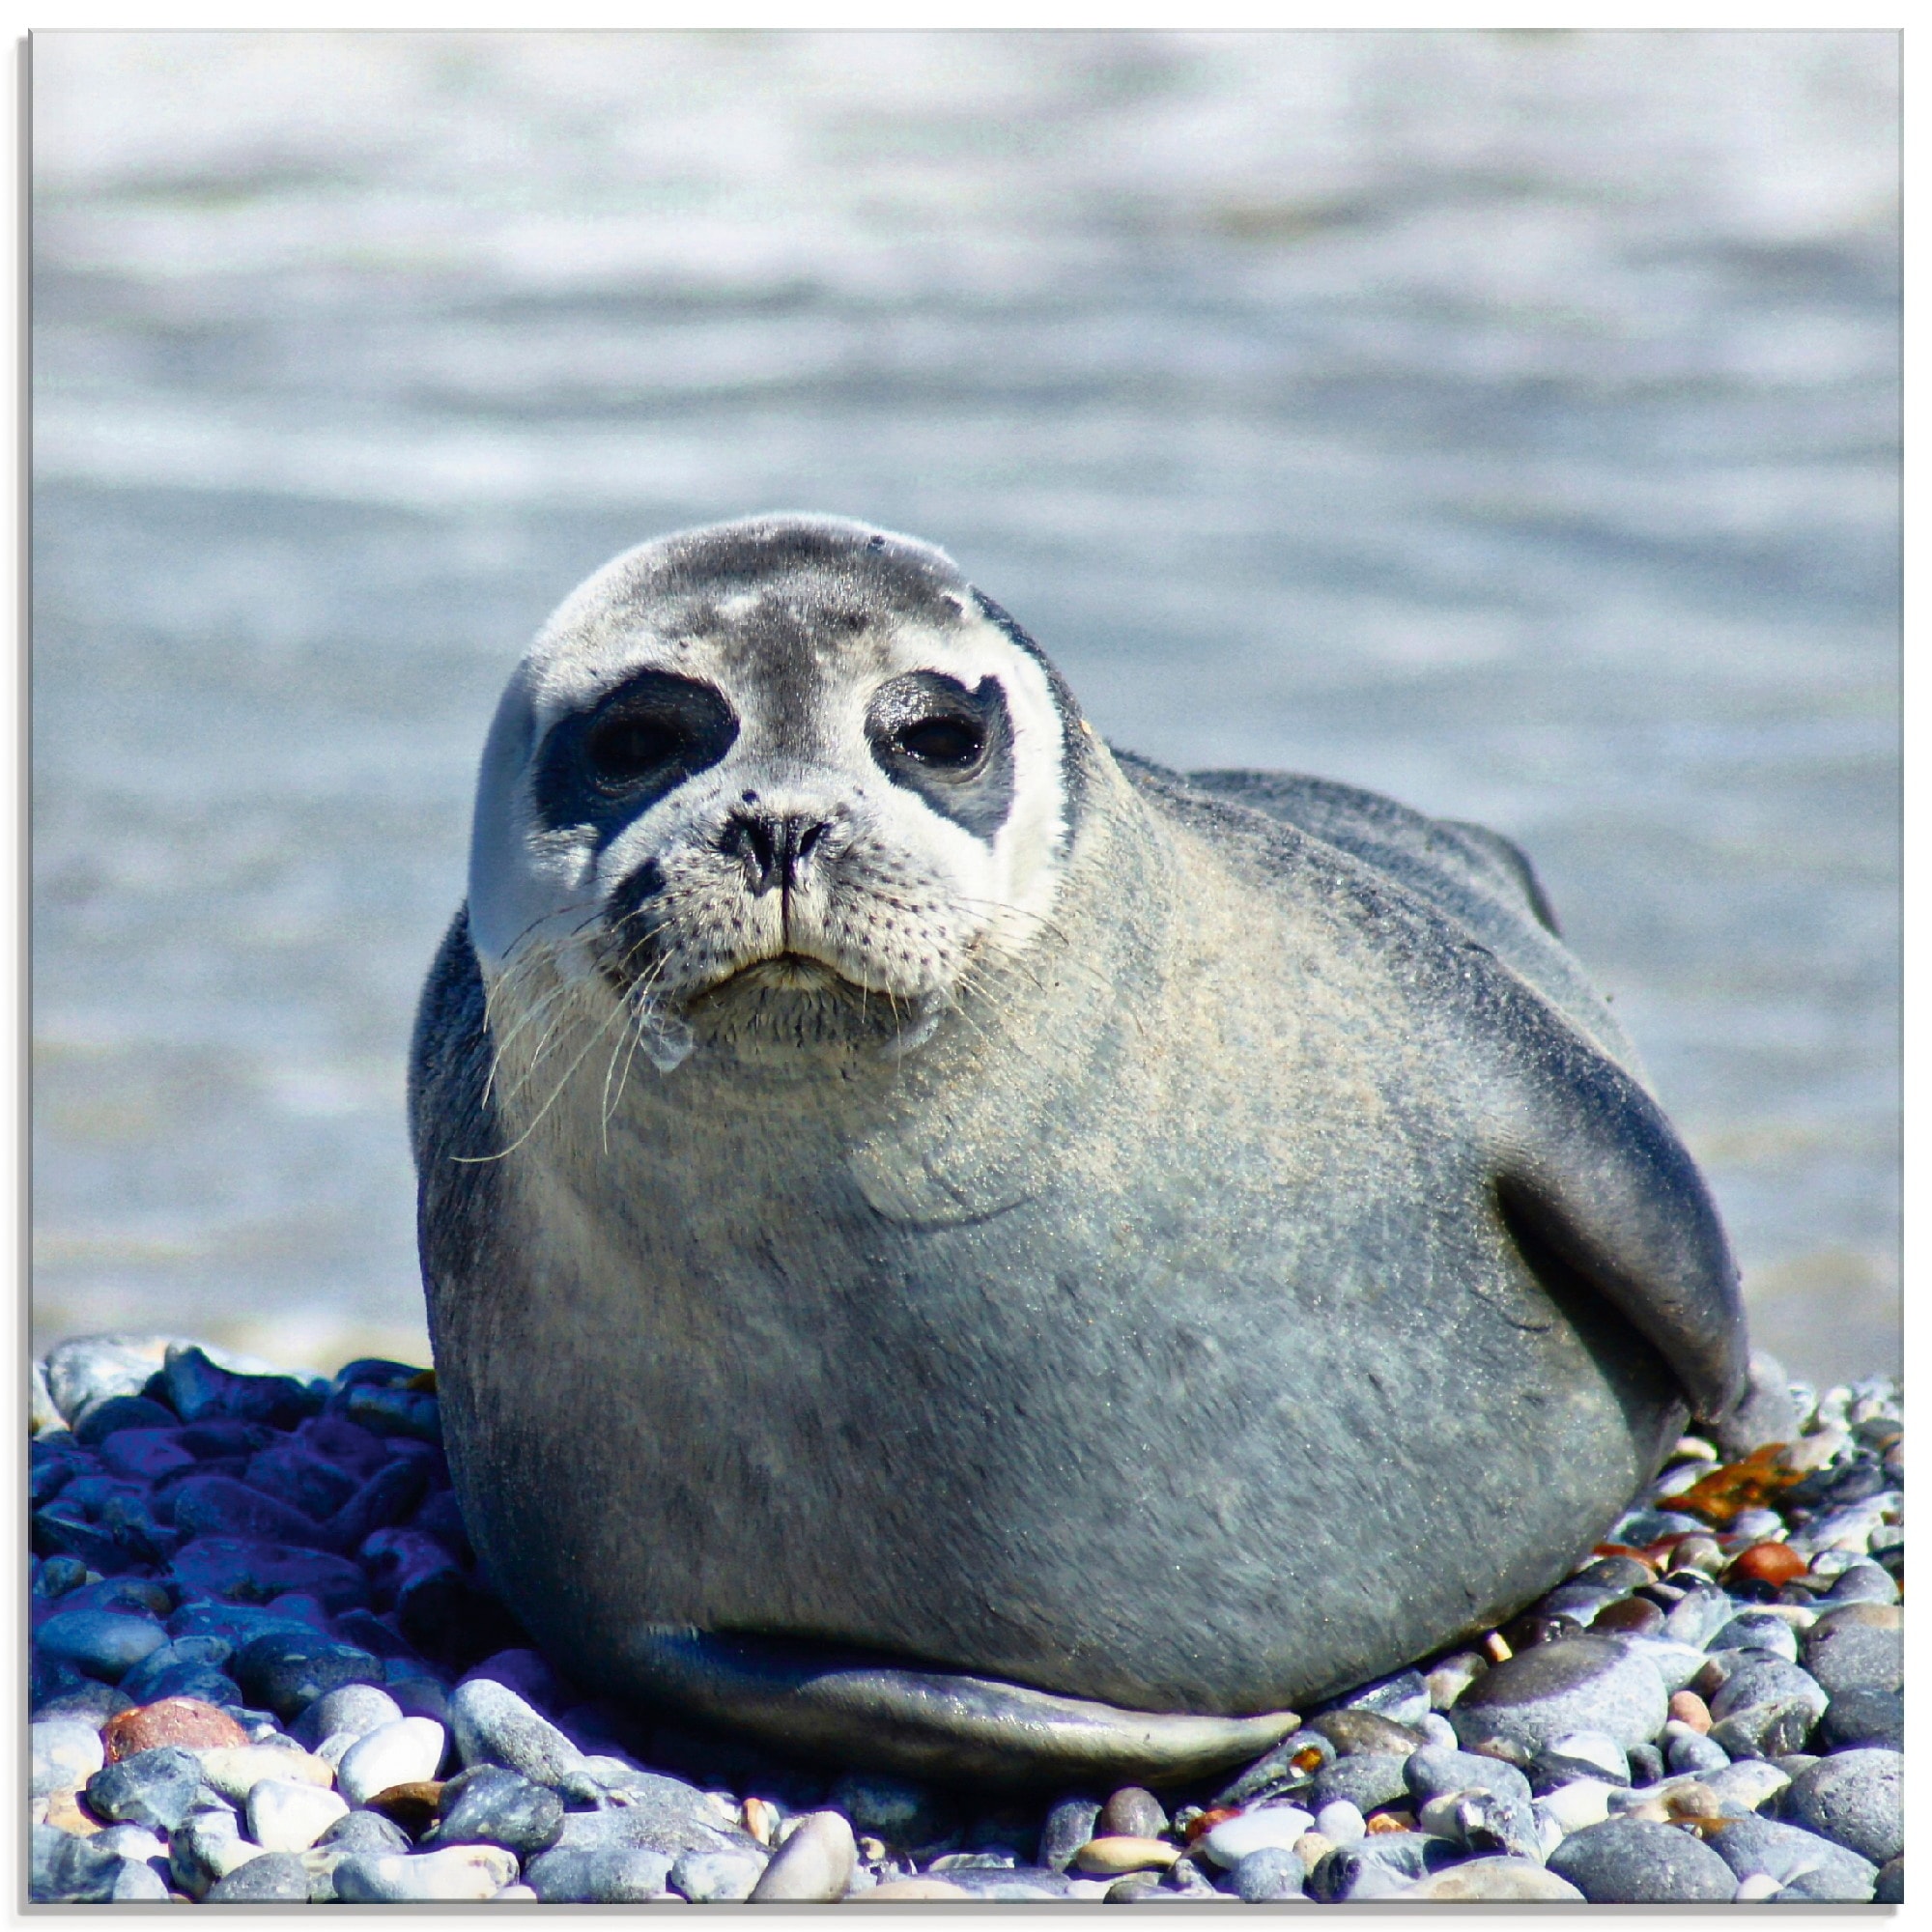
<point x="774" y="786"/>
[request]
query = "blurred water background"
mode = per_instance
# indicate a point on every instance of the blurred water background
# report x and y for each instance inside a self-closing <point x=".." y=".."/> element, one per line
<point x="1505" y="421"/>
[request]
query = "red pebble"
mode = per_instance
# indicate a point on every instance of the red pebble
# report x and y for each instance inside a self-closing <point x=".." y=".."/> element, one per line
<point x="1201" y="1826"/>
<point x="1772" y="1563"/>
<point x="174" y="1720"/>
<point x="1687" y="1708"/>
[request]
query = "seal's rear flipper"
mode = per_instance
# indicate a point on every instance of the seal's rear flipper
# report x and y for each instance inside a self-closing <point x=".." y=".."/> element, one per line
<point x="861" y="1708"/>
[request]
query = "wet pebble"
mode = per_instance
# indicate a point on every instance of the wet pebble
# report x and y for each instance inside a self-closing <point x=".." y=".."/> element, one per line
<point x="1131" y="1812"/>
<point x="1269" y="1872"/>
<point x="1367" y="1781"/>
<point x="99" y="1642"/>
<point x="1071" y="1821"/>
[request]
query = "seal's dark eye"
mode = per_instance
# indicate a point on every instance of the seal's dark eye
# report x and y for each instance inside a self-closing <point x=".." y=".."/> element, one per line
<point x="624" y="748"/>
<point x="653" y="732"/>
<point x="945" y="744"/>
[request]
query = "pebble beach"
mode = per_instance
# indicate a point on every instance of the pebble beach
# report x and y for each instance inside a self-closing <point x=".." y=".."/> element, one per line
<point x="265" y="1670"/>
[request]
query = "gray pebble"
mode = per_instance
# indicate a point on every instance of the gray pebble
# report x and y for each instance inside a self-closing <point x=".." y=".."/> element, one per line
<point x="285" y="1672"/>
<point x="99" y="1642"/>
<point x="1871" y="1717"/>
<point x="655" y="1813"/>
<point x="1630" y="1862"/>
<point x="1272" y="1872"/>
<point x="901" y="1812"/>
<point x="1856" y="1657"/>
<point x="1368" y="1779"/>
<point x="1756" y="1630"/>
<point x="1786" y="1853"/>
<point x="1131" y="1812"/>
<point x="489" y="1805"/>
<point x="493" y="1725"/>
<point x="457" y="1874"/>
<point x="1689" y="1752"/>
<point x="1403" y="1697"/>
<point x="716" y="1877"/>
<point x="138" y="1882"/>
<point x="91" y="1368"/>
<point x="1856" y="1799"/>
<point x="1433" y="1772"/>
<point x="1767" y="1680"/>
<point x="1069" y="1824"/>
<point x="1573" y="1684"/>
<point x="1862" y="1584"/>
<point x="356" y="1709"/>
<point x="1698" y="1616"/>
<point x="616" y="1875"/>
<point x="153" y="1787"/>
<point x="69" y="1870"/>
<point x="1017" y="1884"/>
<point x="365" y="1832"/>
<point x="1772" y="1729"/>
<point x="1890" y="1886"/>
<point x="270" y="1878"/>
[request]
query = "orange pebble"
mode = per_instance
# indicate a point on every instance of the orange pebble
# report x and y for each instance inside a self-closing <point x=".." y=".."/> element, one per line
<point x="1771" y="1563"/>
<point x="1201" y="1826"/>
<point x="174" y="1720"/>
<point x="1687" y="1708"/>
<point x="1392" y="1821"/>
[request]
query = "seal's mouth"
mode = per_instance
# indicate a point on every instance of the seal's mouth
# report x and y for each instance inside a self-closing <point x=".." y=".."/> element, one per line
<point x="784" y="972"/>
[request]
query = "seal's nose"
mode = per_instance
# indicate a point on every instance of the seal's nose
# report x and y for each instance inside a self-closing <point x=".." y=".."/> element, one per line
<point x="773" y="847"/>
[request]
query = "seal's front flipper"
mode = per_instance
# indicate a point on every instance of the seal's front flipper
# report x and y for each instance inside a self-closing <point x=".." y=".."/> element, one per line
<point x="861" y="1709"/>
<point x="1589" y="1169"/>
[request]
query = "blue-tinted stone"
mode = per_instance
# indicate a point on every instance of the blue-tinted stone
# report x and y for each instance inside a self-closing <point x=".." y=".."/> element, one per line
<point x="366" y="1832"/>
<point x="99" y="1642"/>
<point x="153" y="1787"/>
<point x="220" y="1506"/>
<point x="1630" y="1862"/>
<point x="300" y="1607"/>
<point x="100" y="1419"/>
<point x="61" y="1528"/>
<point x="369" y="1630"/>
<point x="286" y="1674"/>
<point x="51" y="1467"/>
<point x="201" y="1391"/>
<point x="442" y="1518"/>
<point x="58" y="1575"/>
<point x="239" y="1623"/>
<point x="221" y="1566"/>
<point x="219" y="1440"/>
<point x="294" y="1475"/>
<point x="68" y="1869"/>
<point x="392" y="1411"/>
<point x="617" y="1875"/>
<point x="192" y="1653"/>
<point x="373" y="1372"/>
<point x="145" y="1455"/>
<point x="387" y="1498"/>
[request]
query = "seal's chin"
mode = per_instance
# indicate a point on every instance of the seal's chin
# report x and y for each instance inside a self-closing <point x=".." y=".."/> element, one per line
<point x="792" y="1008"/>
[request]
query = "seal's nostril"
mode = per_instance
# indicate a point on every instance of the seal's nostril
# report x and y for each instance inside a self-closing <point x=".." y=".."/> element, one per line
<point x="810" y="837"/>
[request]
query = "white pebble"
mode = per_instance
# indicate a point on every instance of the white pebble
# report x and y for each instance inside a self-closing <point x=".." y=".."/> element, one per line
<point x="1341" y="1823"/>
<point x="1231" y="1840"/>
<point x="289" y="1817"/>
<point x="405" y="1752"/>
<point x="1595" y="1747"/>
<point x="1759" y="1886"/>
<point x="459" y="1873"/>
<point x="1578" y="1804"/>
<point x="235" y="1770"/>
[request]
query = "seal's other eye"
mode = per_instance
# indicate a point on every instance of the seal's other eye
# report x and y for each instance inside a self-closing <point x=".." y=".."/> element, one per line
<point x="942" y="743"/>
<point x="600" y="768"/>
<point x="657" y="729"/>
<point x="950" y="746"/>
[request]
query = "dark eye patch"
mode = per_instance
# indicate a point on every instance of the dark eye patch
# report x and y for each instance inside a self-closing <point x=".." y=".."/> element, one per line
<point x="951" y="745"/>
<point x="602" y="767"/>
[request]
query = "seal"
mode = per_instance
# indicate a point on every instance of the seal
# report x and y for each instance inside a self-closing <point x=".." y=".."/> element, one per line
<point x="955" y="1249"/>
